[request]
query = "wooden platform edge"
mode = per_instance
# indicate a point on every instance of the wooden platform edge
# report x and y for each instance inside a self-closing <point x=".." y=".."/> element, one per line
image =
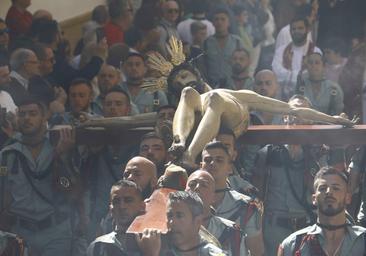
<point x="256" y="134"/>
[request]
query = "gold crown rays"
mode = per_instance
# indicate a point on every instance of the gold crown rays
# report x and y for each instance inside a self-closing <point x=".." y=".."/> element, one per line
<point x="158" y="63"/>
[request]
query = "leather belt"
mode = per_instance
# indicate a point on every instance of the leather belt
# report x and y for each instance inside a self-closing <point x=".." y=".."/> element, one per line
<point x="47" y="222"/>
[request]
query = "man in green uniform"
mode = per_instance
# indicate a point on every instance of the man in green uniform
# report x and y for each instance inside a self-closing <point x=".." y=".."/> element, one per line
<point x="332" y="234"/>
<point x="230" y="204"/>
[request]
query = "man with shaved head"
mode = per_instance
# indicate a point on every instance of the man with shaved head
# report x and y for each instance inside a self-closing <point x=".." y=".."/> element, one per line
<point x="230" y="204"/>
<point x="42" y="14"/>
<point x="265" y="84"/>
<point x="142" y="171"/>
<point x="152" y="146"/>
<point x="104" y="169"/>
<point x="240" y="77"/>
<point x="108" y="78"/>
<point x="224" y="230"/>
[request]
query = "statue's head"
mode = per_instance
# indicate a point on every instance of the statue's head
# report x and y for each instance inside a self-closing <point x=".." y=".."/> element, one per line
<point x="183" y="76"/>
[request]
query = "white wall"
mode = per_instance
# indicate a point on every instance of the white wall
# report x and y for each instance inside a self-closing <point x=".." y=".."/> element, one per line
<point x="61" y="9"/>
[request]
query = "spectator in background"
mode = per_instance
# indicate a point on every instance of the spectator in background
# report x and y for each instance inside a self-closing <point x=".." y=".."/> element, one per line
<point x="135" y="70"/>
<point x="24" y="64"/>
<point x="140" y="40"/>
<point x="353" y="79"/>
<point x="80" y="97"/>
<point x="266" y="85"/>
<point x="198" y="9"/>
<point x="284" y="36"/>
<point x="121" y="17"/>
<point x="63" y="73"/>
<point x="242" y="16"/>
<point x="168" y="24"/>
<point x="325" y="96"/>
<point x="117" y="55"/>
<point x="199" y="35"/>
<point x="334" y="56"/>
<point x="18" y="19"/>
<point x="4" y="37"/>
<point x="6" y="101"/>
<point x="152" y="147"/>
<point x="219" y="49"/>
<point x="116" y="103"/>
<point x="45" y="31"/>
<point x="142" y="171"/>
<point x="240" y="78"/>
<point x="108" y="78"/>
<point x="289" y="60"/>
<point x="98" y="20"/>
<point x="46" y="61"/>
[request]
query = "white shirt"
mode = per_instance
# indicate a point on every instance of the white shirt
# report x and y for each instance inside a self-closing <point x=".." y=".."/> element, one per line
<point x="288" y="78"/>
<point x="184" y="29"/>
<point x="284" y="37"/>
<point x="19" y="78"/>
<point x="6" y="101"/>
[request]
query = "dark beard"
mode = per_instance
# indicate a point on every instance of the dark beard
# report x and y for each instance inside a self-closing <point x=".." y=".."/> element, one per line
<point x="330" y="211"/>
<point x="299" y="40"/>
<point x="134" y="81"/>
<point x="237" y="69"/>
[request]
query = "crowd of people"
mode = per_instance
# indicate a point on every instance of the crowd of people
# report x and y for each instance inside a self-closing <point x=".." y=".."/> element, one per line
<point x="247" y="62"/>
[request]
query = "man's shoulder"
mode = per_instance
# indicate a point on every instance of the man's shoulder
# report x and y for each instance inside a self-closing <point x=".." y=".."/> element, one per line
<point x="211" y="250"/>
<point x="239" y="196"/>
<point x="291" y="239"/>
<point x="107" y="238"/>
<point x="14" y="145"/>
<point x="358" y="230"/>
<point x="223" y="223"/>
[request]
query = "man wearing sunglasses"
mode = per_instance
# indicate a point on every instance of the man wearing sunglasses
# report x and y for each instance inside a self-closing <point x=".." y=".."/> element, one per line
<point x="168" y="24"/>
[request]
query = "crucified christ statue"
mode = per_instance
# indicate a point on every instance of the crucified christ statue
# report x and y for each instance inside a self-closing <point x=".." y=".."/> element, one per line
<point x="231" y="108"/>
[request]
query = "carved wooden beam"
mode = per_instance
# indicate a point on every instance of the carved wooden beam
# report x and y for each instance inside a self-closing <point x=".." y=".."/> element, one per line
<point x="256" y="134"/>
<point x="305" y="134"/>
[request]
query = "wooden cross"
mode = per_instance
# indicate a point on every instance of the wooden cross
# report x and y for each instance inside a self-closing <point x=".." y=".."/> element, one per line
<point x="256" y="134"/>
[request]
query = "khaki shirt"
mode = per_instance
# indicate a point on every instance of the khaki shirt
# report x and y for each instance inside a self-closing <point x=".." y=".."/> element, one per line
<point x="217" y="226"/>
<point x="353" y="243"/>
<point x="232" y="203"/>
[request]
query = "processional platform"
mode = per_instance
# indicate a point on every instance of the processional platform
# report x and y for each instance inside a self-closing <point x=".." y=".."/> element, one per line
<point x="256" y="134"/>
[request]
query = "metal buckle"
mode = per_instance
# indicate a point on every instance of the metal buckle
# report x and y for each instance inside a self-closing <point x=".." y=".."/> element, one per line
<point x="64" y="182"/>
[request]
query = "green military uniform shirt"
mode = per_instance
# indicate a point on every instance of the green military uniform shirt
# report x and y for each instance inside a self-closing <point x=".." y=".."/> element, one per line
<point x="353" y="243"/>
